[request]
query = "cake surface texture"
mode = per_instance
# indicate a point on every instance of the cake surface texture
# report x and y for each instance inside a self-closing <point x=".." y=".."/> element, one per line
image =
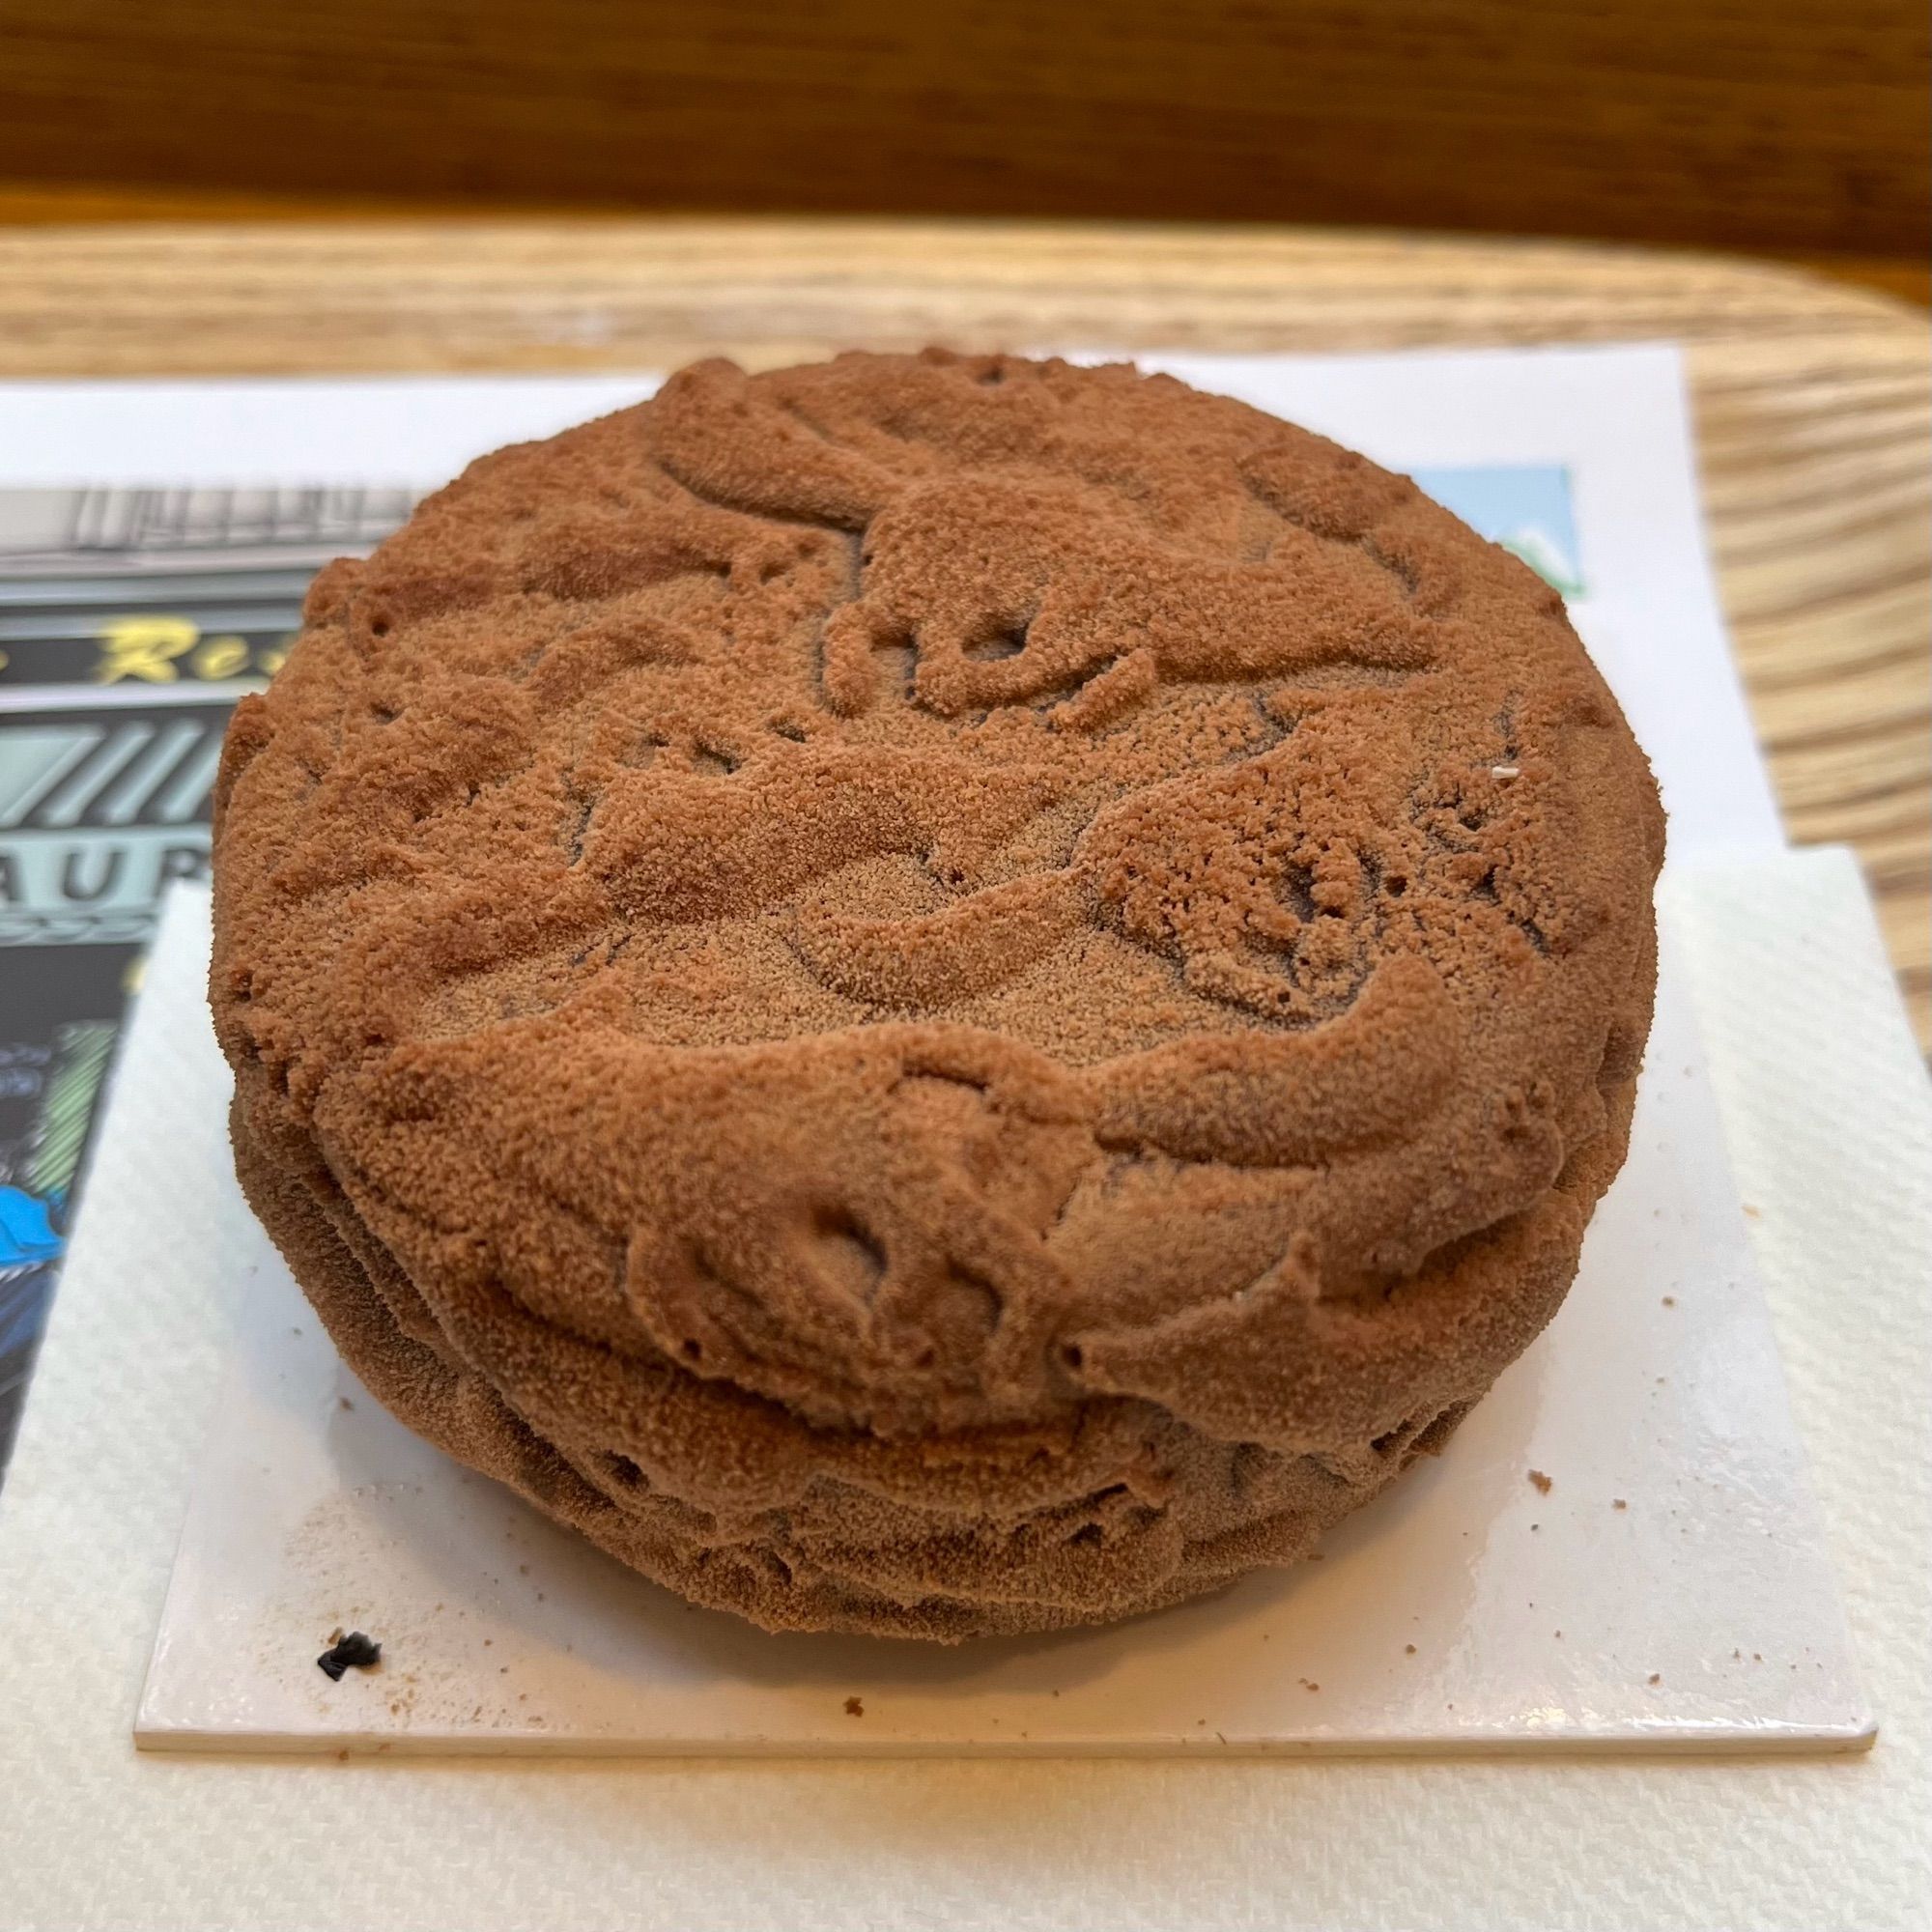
<point x="935" y="995"/>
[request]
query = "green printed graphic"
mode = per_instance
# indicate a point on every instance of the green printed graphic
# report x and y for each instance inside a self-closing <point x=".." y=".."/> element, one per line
<point x="81" y="1053"/>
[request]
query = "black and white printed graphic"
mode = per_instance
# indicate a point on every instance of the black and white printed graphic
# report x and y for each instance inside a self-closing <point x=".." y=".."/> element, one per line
<point x="130" y="621"/>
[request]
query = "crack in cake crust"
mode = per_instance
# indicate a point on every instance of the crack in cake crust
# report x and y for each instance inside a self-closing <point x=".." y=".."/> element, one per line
<point x="865" y="922"/>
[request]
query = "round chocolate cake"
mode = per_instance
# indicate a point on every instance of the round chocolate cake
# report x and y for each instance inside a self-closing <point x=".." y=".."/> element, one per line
<point x="930" y="994"/>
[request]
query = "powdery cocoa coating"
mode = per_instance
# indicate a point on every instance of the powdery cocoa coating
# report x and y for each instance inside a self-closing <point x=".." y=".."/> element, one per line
<point x="933" y="995"/>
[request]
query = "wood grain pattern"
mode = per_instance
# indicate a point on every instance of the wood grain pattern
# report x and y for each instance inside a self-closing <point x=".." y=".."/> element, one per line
<point x="1907" y="277"/>
<point x="1813" y="400"/>
<point x="1783" y="123"/>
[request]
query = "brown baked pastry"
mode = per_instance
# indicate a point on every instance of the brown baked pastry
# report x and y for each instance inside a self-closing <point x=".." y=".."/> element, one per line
<point x="933" y="995"/>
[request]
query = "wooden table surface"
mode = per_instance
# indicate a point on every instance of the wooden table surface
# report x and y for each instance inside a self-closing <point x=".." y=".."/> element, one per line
<point x="1812" y="399"/>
